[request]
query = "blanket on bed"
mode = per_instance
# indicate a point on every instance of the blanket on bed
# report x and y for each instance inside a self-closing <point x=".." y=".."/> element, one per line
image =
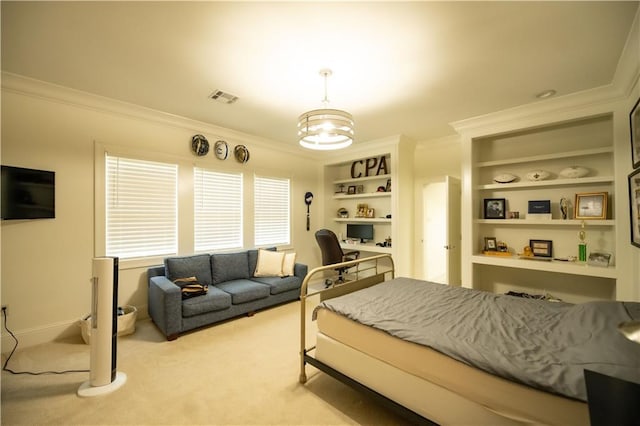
<point x="542" y="344"/>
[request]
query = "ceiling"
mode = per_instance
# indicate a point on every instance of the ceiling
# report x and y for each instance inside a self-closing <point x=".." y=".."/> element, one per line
<point x="399" y="68"/>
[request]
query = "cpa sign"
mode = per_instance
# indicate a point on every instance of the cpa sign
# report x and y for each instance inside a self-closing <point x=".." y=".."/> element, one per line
<point x="368" y="166"/>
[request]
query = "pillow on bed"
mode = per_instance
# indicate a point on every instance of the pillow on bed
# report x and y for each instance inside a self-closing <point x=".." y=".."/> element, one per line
<point x="269" y="263"/>
<point x="288" y="264"/>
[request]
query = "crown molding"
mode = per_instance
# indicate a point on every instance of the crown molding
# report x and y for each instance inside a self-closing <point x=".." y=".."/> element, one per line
<point x="26" y="86"/>
<point x="597" y="101"/>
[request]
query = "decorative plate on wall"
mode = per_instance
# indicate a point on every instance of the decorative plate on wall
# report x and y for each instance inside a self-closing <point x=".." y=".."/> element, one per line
<point x="221" y="150"/>
<point x="241" y="153"/>
<point x="199" y="145"/>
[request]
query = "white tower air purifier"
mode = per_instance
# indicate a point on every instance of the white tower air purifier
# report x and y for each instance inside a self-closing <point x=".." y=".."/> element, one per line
<point x="103" y="377"/>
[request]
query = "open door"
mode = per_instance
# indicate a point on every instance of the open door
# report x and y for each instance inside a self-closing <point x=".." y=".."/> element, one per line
<point x="441" y="228"/>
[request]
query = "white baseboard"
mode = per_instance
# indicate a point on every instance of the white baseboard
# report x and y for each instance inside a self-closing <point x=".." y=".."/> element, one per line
<point x="50" y="333"/>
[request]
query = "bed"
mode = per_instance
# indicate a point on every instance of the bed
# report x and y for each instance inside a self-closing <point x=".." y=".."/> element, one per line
<point x="427" y="375"/>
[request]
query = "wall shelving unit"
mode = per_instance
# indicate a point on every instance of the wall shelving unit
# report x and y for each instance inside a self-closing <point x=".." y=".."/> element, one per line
<point x="398" y="202"/>
<point x="585" y="142"/>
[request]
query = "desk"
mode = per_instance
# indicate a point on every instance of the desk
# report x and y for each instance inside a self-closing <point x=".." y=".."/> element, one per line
<point x="370" y="247"/>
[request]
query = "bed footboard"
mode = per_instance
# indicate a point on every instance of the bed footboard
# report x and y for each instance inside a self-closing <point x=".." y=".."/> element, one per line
<point x="368" y="271"/>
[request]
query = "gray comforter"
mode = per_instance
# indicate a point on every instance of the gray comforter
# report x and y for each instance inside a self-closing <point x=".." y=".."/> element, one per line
<point x="543" y="344"/>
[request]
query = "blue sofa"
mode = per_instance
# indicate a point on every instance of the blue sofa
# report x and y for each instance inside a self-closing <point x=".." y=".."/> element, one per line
<point x="233" y="290"/>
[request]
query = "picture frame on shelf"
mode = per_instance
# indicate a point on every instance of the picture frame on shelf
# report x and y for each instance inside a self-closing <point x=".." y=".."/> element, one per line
<point x="494" y="208"/>
<point x="490" y="244"/>
<point x="541" y="248"/>
<point x="634" y="123"/>
<point x="370" y="213"/>
<point x="634" y="206"/>
<point x="591" y="205"/>
<point x="363" y="210"/>
<point x="351" y="190"/>
<point x="359" y="189"/>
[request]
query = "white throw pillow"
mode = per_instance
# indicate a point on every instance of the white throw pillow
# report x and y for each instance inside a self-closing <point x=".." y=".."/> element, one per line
<point x="288" y="264"/>
<point x="269" y="263"/>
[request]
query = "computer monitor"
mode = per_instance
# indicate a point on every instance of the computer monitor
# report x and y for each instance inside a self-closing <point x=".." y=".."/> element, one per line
<point x="363" y="232"/>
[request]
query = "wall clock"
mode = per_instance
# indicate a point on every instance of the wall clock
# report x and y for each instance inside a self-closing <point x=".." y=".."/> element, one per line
<point x="199" y="145"/>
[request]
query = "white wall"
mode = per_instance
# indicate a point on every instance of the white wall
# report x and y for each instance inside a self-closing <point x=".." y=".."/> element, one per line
<point x="46" y="264"/>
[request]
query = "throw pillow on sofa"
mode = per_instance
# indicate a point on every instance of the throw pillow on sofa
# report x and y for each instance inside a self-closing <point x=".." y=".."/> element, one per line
<point x="288" y="264"/>
<point x="269" y="263"/>
<point x="274" y="264"/>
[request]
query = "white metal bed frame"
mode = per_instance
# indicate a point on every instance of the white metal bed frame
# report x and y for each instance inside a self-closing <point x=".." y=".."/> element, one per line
<point x="369" y="271"/>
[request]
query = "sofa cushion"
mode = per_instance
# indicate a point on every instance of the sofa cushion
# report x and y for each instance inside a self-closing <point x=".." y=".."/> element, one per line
<point x="243" y="291"/>
<point x="269" y="264"/>
<point x="280" y="284"/>
<point x="229" y="266"/>
<point x="187" y="266"/>
<point x="214" y="300"/>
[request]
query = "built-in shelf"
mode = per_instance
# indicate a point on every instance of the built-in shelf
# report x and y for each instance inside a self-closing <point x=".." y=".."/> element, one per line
<point x="574" y="268"/>
<point x="548" y="183"/>
<point x="362" y="219"/>
<point x="546" y="157"/>
<point x="361" y="179"/>
<point x="370" y="247"/>
<point x="550" y="222"/>
<point x="362" y="195"/>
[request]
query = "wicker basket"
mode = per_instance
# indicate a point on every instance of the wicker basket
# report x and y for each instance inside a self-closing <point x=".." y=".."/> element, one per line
<point x="126" y="323"/>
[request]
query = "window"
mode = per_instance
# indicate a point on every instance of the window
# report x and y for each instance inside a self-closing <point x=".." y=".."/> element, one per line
<point x="141" y="208"/>
<point x="217" y="210"/>
<point x="271" y="211"/>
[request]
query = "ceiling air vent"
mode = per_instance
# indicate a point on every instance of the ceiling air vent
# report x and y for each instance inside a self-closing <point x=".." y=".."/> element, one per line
<point x="225" y="98"/>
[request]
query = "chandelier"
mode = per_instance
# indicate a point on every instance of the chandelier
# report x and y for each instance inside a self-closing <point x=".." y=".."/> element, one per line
<point x="325" y="129"/>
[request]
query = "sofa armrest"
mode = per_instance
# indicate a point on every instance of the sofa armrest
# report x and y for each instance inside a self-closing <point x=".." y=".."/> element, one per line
<point x="300" y="270"/>
<point x="165" y="305"/>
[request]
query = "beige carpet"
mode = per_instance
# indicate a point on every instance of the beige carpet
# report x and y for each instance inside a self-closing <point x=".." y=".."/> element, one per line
<point x="243" y="371"/>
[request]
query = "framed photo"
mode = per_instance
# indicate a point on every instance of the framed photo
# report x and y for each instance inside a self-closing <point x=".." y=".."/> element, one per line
<point x="359" y="189"/>
<point x="599" y="259"/>
<point x="494" y="208"/>
<point x="370" y="212"/>
<point x="542" y="248"/>
<point x="351" y="189"/>
<point x="490" y="244"/>
<point x="363" y="210"/>
<point x="591" y="205"/>
<point x="634" y="121"/>
<point x="634" y="206"/>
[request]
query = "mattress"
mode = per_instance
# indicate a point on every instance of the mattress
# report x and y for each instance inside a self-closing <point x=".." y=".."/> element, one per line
<point x="537" y="343"/>
<point x="508" y="399"/>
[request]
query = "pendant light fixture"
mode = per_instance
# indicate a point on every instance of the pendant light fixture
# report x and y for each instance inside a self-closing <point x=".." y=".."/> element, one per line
<point x="325" y="129"/>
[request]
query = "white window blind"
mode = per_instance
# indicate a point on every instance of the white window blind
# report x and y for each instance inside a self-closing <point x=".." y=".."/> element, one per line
<point x="141" y="208"/>
<point x="271" y="211"/>
<point x="217" y="210"/>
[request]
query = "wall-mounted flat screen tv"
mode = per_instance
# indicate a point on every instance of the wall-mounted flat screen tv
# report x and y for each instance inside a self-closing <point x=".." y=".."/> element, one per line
<point x="27" y="193"/>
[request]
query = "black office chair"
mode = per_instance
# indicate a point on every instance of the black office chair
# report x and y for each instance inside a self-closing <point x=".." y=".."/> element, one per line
<point x="332" y="252"/>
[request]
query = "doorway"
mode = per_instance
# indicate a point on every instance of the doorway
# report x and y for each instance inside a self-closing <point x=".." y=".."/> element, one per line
<point x="441" y="231"/>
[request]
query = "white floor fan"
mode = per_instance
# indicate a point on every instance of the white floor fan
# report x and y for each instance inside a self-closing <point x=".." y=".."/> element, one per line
<point x="103" y="377"/>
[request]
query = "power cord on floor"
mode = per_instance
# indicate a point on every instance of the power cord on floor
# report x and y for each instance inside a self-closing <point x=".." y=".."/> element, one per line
<point x="4" y="366"/>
